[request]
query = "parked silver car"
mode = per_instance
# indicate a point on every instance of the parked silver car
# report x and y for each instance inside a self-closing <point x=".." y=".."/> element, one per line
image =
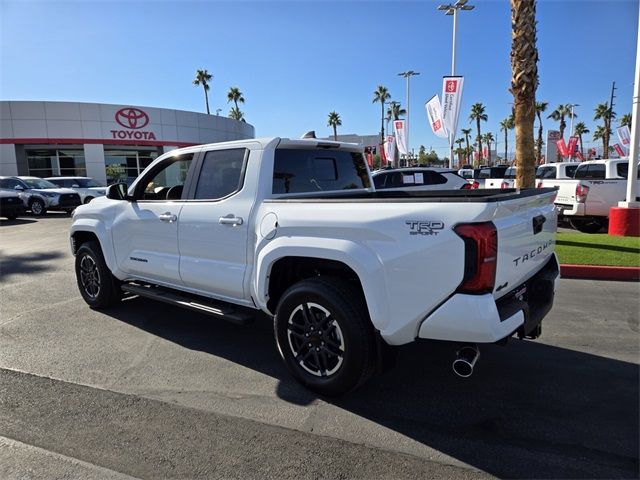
<point x="86" y="187"/>
<point x="42" y="195"/>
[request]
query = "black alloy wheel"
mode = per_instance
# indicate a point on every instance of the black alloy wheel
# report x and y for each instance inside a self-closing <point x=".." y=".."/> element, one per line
<point x="98" y="287"/>
<point x="325" y="336"/>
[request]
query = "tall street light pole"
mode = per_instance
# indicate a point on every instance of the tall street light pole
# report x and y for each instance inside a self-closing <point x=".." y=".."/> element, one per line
<point x="452" y="9"/>
<point x="408" y="74"/>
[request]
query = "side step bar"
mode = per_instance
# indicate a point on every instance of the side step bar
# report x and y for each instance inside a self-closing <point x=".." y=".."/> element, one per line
<point x="224" y="311"/>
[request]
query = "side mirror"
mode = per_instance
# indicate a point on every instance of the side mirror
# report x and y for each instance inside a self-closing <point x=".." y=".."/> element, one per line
<point x="19" y="187"/>
<point x="118" y="191"/>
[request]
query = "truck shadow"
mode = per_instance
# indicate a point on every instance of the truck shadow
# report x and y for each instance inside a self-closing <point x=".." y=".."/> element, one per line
<point x="530" y="411"/>
<point x="614" y="248"/>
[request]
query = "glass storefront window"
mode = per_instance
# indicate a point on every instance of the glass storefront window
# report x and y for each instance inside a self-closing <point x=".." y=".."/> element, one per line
<point x="53" y="162"/>
<point x="125" y="165"/>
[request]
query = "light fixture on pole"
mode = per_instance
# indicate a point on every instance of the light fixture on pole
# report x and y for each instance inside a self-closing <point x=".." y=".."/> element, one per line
<point x="452" y="9"/>
<point x="571" y="118"/>
<point x="408" y="74"/>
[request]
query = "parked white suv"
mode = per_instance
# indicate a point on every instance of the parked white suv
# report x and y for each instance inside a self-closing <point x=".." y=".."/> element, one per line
<point x="418" y="178"/>
<point x="86" y="187"/>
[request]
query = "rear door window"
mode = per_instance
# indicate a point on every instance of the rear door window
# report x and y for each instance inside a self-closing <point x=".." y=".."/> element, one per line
<point x="308" y="170"/>
<point x="222" y="174"/>
<point x="595" y="171"/>
<point x="546" y="172"/>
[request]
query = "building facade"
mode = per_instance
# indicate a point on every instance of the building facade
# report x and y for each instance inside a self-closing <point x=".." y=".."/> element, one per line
<point x="106" y="142"/>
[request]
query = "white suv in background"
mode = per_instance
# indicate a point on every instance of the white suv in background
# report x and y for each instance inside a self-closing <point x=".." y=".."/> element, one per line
<point x="418" y="178"/>
<point x="86" y="187"/>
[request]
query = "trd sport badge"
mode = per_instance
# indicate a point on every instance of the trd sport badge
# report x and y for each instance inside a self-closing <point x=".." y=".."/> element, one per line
<point x="425" y="227"/>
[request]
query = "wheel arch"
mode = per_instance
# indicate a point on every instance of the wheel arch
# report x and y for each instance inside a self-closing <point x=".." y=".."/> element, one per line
<point x="88" y="230"/>
<point x="279" y="267"/>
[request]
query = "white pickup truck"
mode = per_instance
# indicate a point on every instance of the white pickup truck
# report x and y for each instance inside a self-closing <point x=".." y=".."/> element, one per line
<point x="585" y="199"/>
<point x="295" y="229"/>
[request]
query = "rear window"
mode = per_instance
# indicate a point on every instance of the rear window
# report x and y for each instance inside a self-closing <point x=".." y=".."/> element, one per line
<point x="570" y="170"/>
<point x="546" y="172"/>
<point x="305" y="170"/>
<point x="595" y="170"/>
<point x="510" y="172"/>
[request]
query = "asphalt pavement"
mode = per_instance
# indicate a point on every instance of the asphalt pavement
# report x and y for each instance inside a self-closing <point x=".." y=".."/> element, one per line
<point x="150" y="391"/>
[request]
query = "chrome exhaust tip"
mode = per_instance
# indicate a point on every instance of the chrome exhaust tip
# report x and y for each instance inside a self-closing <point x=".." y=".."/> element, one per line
<point x="466" y="359"/>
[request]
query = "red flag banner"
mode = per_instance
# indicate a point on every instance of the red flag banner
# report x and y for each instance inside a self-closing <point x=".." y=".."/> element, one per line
<point x="562" y="147"/>
<point x="485" y="152"/>
<point x="619" y="149"/>
<point x="571" y="147"/>
<point x="579" y="155"/>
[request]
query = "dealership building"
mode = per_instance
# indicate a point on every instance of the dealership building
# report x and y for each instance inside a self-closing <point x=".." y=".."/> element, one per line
<point x="103" y="141"/>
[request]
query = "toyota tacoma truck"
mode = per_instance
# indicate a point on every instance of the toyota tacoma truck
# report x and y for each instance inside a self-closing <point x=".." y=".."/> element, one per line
<point x="295" y="229"/>
<point x="585" y="200"/>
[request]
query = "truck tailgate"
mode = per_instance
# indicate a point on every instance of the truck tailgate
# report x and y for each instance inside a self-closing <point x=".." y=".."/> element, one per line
<point x="526" y="230"/>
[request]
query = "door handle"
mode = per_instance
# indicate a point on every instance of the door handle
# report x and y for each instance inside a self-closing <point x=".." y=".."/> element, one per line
<point x="230" y="220"/>
<point x="168" y="217"/>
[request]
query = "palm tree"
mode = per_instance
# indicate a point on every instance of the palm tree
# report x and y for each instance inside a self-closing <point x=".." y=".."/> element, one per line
<point x="580" y="129"/>
<point x="506" y="125"/>
<point x="467" y="133"/>
<point x="598" y="134"/>
<point x="395" y="110"/>
<point x="460" y="150"/>
<point x="625" y="120"/>
<point x="604" y="113"/>
<point x="524" y="81"/>
<point x="488" y="139"/>
<point x="235" y="95"/>
<point x="381" y="94"/>
<point x="334" y="121"/>
<point x="203" y="78"/>
<point x="477" y="114"/>
<point x="559" y="114"/>
<point x="541" y="107"/>
<point x="236" y="114"/>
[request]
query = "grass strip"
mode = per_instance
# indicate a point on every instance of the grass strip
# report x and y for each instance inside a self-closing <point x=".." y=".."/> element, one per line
<point x="598" y="249"/>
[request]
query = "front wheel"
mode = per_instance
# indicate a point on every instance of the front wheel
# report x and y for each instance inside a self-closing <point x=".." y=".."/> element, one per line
<point x="87" y="200"/>
<point x="98" y="287"/>
<point x="588" y="225"/>
<point x="37" y="207"/>
<point x="324" y="335"/>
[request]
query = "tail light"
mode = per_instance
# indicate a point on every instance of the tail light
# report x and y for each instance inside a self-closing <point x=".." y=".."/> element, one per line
<point x="504" y="185"/>
<point x="467" y="186"/>
<point x="539" y="185"/>
<point x="480" y="256"/>
<point x="475" y="184"/>
<point x="581" y="193"/>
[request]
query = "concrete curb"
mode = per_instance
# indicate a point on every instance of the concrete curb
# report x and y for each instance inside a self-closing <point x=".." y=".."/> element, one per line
<point x="600" y="272"/>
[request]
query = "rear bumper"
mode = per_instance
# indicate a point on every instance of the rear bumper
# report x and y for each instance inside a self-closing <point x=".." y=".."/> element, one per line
<point x="570" y="209"/>
<point x="482" y="319"/>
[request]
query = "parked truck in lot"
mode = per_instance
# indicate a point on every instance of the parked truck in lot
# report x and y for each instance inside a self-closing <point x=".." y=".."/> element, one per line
<point x="585" y="199"/>
<point x="295" y="228"/>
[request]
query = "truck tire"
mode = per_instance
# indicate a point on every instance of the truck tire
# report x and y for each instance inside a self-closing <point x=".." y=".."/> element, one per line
<point x="588" y="224"/>
<point x="98" y="287"/>
<point x="324" y="335"/>
<point x="37" y="207"/>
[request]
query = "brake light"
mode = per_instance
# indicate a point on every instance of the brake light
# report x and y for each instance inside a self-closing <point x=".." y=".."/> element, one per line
<point x="467" y="186"/>
<point x="480" y="256"/>
<point x="504" y="185"/>
<point x="539" y="185"/>
<point x="581" y="193"/>
<point x="475" y="184"/>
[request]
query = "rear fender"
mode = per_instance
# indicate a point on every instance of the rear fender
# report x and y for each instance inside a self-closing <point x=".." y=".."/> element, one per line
<point x="361" y="260"/>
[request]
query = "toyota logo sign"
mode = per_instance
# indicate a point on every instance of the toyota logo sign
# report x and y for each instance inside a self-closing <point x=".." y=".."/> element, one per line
<point x="132" y="118"/>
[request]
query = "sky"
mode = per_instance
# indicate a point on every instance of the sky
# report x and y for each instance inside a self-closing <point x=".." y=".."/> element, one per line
<point x="296" y="61"/>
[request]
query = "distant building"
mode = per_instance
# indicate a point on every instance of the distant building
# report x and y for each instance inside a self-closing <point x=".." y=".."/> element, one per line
<point x="99" y="140"/>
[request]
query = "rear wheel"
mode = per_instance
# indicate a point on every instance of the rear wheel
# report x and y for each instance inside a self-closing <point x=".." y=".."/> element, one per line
<point x="98" y="287"/>
<point x="87" y="200"/>
<point x="37" y="207"/>
<point x="324" y="335"/>
<point x="588" y="225"/>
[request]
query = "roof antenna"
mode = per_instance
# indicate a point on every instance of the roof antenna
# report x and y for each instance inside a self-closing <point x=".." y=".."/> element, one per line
<point x="309" y="134"/>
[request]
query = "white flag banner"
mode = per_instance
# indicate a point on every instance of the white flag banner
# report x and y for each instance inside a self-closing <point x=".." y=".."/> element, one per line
<point x="401" y="136"/>
<point x="625" y="136"/>
<point x="390" y="150"/>
<point x="434" y="112"/>
<point x="451" y="99"/>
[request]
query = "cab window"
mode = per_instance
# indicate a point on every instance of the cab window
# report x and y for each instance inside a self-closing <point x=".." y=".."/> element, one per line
<point x="165" y="181"/>
<point x="222" y="174"/>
